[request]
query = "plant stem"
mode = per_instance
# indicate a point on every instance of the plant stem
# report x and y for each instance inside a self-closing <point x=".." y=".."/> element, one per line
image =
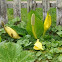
<point x="33" y="30"/>
<point x="44" y="33"/>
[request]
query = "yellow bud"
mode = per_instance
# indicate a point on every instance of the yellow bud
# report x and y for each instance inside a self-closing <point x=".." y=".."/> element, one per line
<point x="33" y="19"/>
<point x="33" y="23"/>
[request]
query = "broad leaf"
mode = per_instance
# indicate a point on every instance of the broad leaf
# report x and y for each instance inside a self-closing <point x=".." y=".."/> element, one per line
<point x="9" y="52"/>
<point x="12" y="52"/>
<point x="19" y="30"/>
<point x="38" y="24"/>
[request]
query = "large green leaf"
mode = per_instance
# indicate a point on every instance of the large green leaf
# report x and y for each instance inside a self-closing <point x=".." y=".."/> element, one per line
<point x="19" y="30"/>
<point x="38" y="27"/>
<point x="12" y="52"/>
<point x="38" y="24"/>
<point x="9" y="52"/>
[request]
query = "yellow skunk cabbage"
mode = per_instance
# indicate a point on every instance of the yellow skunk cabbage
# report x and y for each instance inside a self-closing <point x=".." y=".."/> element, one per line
<point x="38" y="45"/>
<point x="47" y="23"/>
<point x="33" y="23"/>
<point x="12" y="33"/>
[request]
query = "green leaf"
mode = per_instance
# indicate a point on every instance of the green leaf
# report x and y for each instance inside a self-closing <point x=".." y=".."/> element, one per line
<point x="12" y="52"/>
<point x="60" y="58"/>
<point x="60" y="43"/>
<point x="36" y="14"/>
<point x="24" y="41"/>
<point x="59" y="28"/>
<point x="59" y="33"/>
<point x="2" y="31"/>
<point x="38" y="24"/>
<point x="22" y="24"/>
<point x="49" y="57"/>
<point x="38" y="53"/>
<point x="9" y="52"/>
<point x="54" y="44"/>
<point x="38" y="27"/>
<point x="13" y="21"/>
<point x="19" y="30"/>
<point x="27" y="56"/>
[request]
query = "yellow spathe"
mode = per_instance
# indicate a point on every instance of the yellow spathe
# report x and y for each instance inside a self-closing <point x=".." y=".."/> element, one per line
<point x="12" y="33"/>
<point x="38" y="45"/>
<point x="47" y="22"/>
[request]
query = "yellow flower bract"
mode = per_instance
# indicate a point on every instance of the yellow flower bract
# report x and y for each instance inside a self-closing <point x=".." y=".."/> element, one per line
<point x="47" y="22"/>
<point x="12" y="33"/>
<point x="38" y="45"/>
